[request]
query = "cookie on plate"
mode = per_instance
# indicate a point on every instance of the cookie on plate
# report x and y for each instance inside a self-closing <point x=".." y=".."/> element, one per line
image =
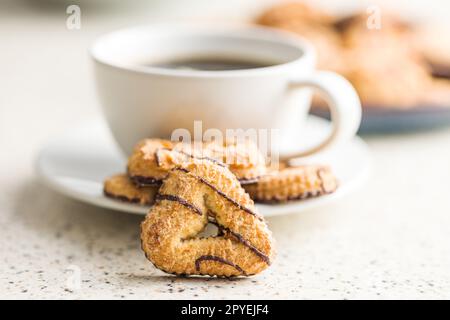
<point x="192" y="195"/>
<point x="293" y="183"/>
<point x="435" y="48"/>
<point x="382" y="63"/>
<point x="294" y="12"/>
<point x="121" y="188"/>
<point x="312" y="24"/>
<point x="152" y="159"/>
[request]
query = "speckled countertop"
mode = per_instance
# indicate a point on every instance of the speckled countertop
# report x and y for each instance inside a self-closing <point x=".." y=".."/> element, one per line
<point x="390" y="239"/>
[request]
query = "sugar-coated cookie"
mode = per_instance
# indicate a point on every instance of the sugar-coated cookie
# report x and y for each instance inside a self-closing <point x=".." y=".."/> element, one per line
<point x="121" y="188"/>
<point x="152" y="159"/>
<point x="192" y="195"/>
<point x="293" y="183"/>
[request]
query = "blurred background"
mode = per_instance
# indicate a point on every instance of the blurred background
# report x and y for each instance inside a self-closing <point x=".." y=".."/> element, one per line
<point x="40" y="55"/>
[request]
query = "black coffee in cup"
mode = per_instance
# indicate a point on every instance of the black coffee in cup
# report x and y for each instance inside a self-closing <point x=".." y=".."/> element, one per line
<point x="212" y="63"/>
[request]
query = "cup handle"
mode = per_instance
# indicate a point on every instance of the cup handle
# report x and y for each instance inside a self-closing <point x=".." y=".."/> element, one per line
<point x="344" y="105"/>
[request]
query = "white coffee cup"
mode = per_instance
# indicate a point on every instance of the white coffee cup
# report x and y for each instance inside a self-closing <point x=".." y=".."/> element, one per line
<point x="140" y="100"/>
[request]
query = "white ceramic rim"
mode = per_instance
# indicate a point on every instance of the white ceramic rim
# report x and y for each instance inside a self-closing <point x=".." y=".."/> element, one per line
<point x="53" y="181"/>
<point x="307" y="54"/>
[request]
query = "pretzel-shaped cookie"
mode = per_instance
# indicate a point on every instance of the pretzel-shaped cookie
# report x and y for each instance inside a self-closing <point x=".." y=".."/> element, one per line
<point x="293" y="183"/>
<point x="152" y="159"/>
<point x="191" y="196"/>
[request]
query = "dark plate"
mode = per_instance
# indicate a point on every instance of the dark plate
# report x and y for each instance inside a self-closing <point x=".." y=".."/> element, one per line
<point x="392" y="120"/>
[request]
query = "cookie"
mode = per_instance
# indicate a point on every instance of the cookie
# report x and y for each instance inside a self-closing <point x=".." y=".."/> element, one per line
<point x="392" y="82"/>
<point x="294" y="12"/>
<point x="434" y="48"/>
<point x="357" y="30"/>
<point x="192" y="195"/>
<point x="388" y="66"/>
<point x="437" y="94"/>
<point x="293" y="183"/>
<point x="152" y="159"/>
<point x="324" y="39"/>
<point x="311" y="24"/>
<point x="121" y="188"/>
<point x="383" y="64"/>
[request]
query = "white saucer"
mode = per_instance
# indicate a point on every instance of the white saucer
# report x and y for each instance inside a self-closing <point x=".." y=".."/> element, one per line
<point x="76" y="163"/>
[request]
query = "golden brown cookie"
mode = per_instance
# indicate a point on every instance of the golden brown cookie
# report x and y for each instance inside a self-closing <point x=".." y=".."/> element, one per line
<point x="152" y="159"/>
<point x="190" y="196"/>
<point x="387" y="81"/>
<point x="382" y="64"/>
<point x="325" y="40"/>
<point x="434" y="48"/>
<point x="313" y="24"/>
<point x="121" y="188"/>
<point x="438" y="94"/>
<point x="357" y="30"/>
<point x="293" y="183"/>
<point x="386" y="65"/>
<point x="294" y="11"/>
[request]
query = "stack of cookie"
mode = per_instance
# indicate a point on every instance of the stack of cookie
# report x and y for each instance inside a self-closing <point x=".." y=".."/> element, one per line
<point x="386" y="59"/>
<point x="191" y="185"/>
<point x="153" y="159"/>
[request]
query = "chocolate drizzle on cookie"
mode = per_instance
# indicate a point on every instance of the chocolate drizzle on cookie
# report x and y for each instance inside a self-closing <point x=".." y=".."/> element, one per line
<point x="121" y="197"/>
<point x="243" y="208"/>
<point x="245" y="181"/>
<point x="293" y="183"/>
<point x="180" y="200"/>
<point x="188" y="155"/>
<point x="145" y="181"/>
<point x="246" y="243"/>
<point x="238" y="237"/>
<point x="172" y="237"/>
<point x="119" y="187"/>
<point x="217" y="259"/>
<point x="215" y="161"/>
